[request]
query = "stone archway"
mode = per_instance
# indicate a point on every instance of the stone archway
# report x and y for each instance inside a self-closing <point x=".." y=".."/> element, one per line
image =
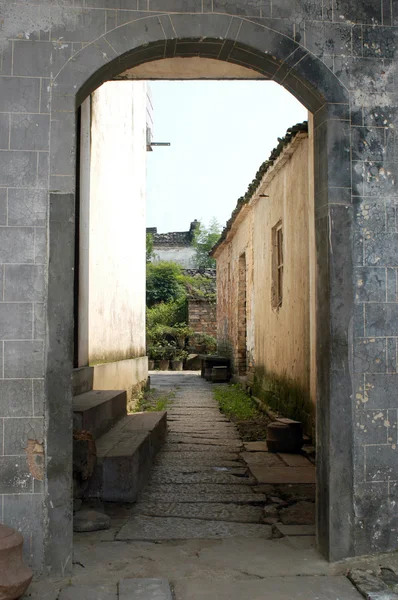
<point x="277" y="57"/>
<point x="339" y="60"/>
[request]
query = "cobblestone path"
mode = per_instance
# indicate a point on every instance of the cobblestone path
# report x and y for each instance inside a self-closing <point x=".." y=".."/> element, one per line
<point x="200" y="487"/>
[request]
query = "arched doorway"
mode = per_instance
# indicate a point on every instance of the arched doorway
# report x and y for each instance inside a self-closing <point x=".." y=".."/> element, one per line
<point x="275" y="56"/>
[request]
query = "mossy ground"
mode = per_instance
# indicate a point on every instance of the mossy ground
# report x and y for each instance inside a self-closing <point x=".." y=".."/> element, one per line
<point x="241" y="409"/>
<point x="153" y="401"/>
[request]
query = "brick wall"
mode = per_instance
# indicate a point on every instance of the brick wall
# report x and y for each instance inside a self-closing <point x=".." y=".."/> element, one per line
<point x="202" y="317"/>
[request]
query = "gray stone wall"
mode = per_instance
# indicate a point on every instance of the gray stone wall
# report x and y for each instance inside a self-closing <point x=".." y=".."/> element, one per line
<point x="335" y="56"/>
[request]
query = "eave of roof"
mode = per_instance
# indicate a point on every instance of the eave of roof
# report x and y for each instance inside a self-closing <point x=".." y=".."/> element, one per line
<point x="291" y="133"/>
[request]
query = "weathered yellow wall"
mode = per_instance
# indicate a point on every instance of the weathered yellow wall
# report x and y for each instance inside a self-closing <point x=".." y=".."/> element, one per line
<point x="282" y="337"/>
<point x="279" y="341"/>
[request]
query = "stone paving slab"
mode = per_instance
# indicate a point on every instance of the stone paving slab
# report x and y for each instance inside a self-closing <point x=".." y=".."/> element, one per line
<point x="201" y="493"/>
<point x="279" y="475"/>
<point x="295" y="530"/>
<point x="185" y="439"/>
<point x="256" y="446"/>
<point x="217" y="477"/>
<point x="169" y="528"/>
<point x="178" y="469"/>
<point x="202" y="428"/>
<point x="144" y="589"/>
<point x="200" y="510"/>
<point x="98" y="592"/>
<point x="196" y="459"/>
<point x="263" y="459"/>
<point x="270" y="588"/>
<point x="295" y="460"/>
<point x="170" y="447"/>
<point x="206" y="452"/>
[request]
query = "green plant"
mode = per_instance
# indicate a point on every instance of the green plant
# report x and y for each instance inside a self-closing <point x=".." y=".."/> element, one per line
<point x="151" y="401"/>
<point x="181" y="355"/>
<point x="235" y="402"/>
<point x="163" y="282"/>
<point x="205" y="343"/>
<point x="167" y="313"/>
<point x="149" y="247"/>
<point x="204" y="240"/>
<point x="285" y="396"/>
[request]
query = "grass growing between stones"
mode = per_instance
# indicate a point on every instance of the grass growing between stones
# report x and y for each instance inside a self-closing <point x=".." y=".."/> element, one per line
<point x="241" y="409"/>
<point x="153" y="401"/>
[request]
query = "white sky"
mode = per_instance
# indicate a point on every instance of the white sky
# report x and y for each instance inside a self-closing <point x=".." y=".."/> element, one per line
<point x="220" y="133"/>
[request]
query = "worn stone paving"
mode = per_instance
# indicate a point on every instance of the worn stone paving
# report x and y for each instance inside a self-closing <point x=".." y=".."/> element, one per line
<point x="197" y="533"/>
<point x="200" y="486"/>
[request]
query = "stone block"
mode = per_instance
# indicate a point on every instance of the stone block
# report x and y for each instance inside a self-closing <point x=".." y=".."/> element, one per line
<point x="370" y="355"/>
<point x="78" y="24"/>
<point x="90" y="520"/>
<point x="281" y="475"/>
<point x="16" y="244"/>
<point x="19" y="94"/>
<point x="30" y="132"/>
<point x="301" y="513"/>
<point x="23" y="359"/>
<point x="295" y="530"/>
<point x="39" y="321"/>
<point x="95" y="592"/>
<point x="27" y="207"/>
<point x="19" y="430"/>
<point x="146" y="589"/>
<point x="97" y="411"/>
<point x="40" y="245"/>
<point x="24" y="283"/>
<point x="165" y="528"/>
<point x="15" y="321"/>
<point x="38" y="397"/>
<point x="381" y="462"/>
<point x="219" y="374"/>
<point x="15" y="475"/>
<point x="4" y="131"/>
<point x="32" y="59"/>
<point x="3" y="206"/>
<point x="16" y="398"/>
<point x="125" y="455"/>
<point x="18" y="168"/>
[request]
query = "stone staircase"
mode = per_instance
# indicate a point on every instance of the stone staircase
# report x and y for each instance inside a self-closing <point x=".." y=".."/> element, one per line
<point x="126" y="444"/>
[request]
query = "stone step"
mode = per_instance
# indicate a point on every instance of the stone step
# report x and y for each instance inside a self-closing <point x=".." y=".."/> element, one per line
<point x="97" y="411"/>
<point x="82" y="380"/>
<point x="125" y="455"/>
<point x="144" y="589"/>
<point x="217" y="511"/>
<point x="126" y="589"/>
<point x="145" y="528"/>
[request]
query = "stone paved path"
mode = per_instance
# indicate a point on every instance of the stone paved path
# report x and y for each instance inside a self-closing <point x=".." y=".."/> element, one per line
<point x="197" y="529"/>
<point x="200" y="486"/>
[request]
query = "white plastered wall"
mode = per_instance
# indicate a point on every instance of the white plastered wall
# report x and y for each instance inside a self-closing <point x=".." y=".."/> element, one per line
<point x="112" y="224"/>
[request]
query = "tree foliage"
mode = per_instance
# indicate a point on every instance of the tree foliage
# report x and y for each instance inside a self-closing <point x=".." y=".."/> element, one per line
<point x="204" y="240"/>
<point x="164" y="282"/>
<point x="149" y="247"/>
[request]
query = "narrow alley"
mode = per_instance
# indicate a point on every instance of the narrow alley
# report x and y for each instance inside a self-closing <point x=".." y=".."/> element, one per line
<point x="197" y="531"/>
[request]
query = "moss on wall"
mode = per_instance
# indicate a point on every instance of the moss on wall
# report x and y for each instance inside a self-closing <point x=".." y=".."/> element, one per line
<point x="285" y="396"/>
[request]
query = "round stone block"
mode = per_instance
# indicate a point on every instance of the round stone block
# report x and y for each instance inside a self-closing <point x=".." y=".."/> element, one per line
<point x="15" y="577"/>
<point x="90" y="520"/>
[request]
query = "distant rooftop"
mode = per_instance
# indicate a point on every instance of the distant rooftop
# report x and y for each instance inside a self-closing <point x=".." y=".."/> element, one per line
<point x="173" y="238"/>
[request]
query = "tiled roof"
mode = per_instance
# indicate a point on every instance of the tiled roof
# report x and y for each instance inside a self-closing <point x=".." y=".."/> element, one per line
<point x="276" y="152"/>
<point x="173" y="238"/>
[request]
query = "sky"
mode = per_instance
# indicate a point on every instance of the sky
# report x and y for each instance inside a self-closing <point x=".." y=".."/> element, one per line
<point x="220" y="133"/>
